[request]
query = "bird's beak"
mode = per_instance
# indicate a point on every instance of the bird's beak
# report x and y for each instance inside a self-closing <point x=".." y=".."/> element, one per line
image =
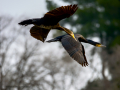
<point x="95" y="43"/>
<point x="100" y="45"/>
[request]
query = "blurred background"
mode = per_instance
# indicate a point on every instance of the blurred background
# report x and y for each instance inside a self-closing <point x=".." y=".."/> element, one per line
<point x="29" y="64"/>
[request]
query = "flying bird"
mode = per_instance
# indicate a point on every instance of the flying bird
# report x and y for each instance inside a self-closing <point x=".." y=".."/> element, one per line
<point x="50" y="20"/>
<point x="74" y="48"/>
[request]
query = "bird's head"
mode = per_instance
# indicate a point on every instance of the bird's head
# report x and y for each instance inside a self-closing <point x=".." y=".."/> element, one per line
<point x="95" y="43"/>
<point x="82" y="39"/>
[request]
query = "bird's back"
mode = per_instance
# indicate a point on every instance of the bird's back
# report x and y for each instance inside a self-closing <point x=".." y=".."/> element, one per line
<point x="45" y="22"/>
<point x="67" y="39"/>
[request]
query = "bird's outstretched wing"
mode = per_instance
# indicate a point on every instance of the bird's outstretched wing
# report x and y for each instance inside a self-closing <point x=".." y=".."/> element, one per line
<point x="83" y="50"/>
<point x="39" y="33"/>
<point x="75" y="49"/>
<point x="61" y="12"/>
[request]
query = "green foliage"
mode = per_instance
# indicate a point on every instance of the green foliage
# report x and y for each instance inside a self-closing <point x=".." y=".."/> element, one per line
<point x="116" y="41"/>
<point x="50" y="5"/>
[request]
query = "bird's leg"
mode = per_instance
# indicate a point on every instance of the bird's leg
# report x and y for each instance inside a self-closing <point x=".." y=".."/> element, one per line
<point x="67" y="31"/>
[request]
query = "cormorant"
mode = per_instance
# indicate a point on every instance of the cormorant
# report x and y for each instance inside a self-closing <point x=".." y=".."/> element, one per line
<point x="75" y="48"/>
<point x="49" y="21"/>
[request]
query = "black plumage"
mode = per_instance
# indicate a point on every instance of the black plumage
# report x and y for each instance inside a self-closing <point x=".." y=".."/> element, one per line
<point x="50" y="21"/>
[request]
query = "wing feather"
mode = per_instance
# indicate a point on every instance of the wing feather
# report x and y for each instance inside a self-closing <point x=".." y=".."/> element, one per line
<point x="83" y="50"/>
<point x="39" y="33"/>
<point x="61" y="12"/>
<point x="75" y="49"/>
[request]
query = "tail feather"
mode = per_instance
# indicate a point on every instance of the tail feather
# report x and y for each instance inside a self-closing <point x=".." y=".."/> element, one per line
<point x="56" y="39"/>
<point x="26" y="22"/>
<point x="53" y="40"/>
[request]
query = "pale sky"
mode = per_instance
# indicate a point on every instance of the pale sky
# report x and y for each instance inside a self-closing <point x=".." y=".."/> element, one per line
<point x="18" y="8"/>
<point x="30" y="8"/>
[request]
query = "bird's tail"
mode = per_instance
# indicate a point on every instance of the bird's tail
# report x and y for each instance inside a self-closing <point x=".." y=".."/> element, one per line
<point x="26" y="22"/>
<point x="53" y="40"/>
<point x="56" y="39"/>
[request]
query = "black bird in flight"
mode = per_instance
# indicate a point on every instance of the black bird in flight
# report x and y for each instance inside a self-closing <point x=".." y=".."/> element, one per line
<point x="75" y="48"/>
<point x="49" y="21"/>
